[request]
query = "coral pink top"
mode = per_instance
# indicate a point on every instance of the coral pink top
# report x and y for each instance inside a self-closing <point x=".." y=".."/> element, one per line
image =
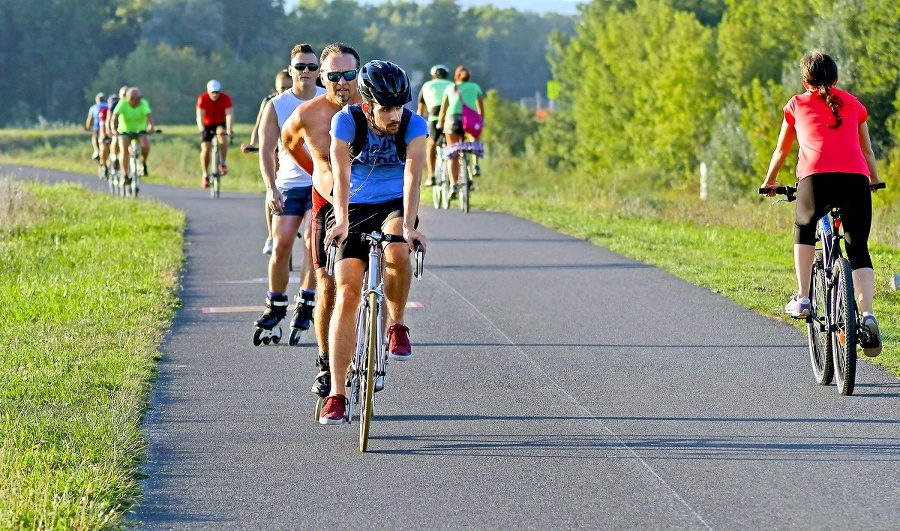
<point x="822" y="149"/>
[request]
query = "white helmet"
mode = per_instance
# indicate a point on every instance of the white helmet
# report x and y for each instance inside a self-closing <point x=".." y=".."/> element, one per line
<point x="213" y="86"/>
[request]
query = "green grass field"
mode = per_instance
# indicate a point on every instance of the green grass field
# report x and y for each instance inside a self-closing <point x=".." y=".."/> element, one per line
<point x="80" y="321"/>
<point x="79" y="338"/>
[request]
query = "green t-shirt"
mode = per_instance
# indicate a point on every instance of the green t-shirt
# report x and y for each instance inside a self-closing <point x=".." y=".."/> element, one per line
<point x="132" y="119"/>
<point x="433" y="95"/>
<point x="470" y="92"/>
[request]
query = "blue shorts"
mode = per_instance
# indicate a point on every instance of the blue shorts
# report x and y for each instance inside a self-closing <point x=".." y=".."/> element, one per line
<point x="296" y="201"/>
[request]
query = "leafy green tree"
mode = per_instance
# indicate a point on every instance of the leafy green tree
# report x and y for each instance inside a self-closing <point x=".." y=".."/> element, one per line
<point x="198" y="24"/>
<point x="643" y="94"/>
<point x="508" y="125"/>
<point x="756" y="38"/>
<point x="49" y="52"/>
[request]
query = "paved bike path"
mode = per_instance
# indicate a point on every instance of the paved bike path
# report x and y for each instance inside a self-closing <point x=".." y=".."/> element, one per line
<point x="554" y="384"/>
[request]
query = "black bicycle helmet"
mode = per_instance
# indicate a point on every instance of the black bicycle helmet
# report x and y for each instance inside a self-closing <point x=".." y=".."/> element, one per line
<point x="385" y="83"/>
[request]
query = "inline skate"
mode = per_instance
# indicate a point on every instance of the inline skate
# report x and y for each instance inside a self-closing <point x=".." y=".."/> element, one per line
<point x="303" y="314"/>
<point x="268" y="329"/>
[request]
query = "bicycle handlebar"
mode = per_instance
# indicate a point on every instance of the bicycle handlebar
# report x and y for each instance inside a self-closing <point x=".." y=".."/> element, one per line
<point x="790" y="192"/>
<point x="389" y="238"/>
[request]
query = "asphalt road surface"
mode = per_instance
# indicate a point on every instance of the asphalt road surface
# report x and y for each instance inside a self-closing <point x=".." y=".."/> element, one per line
<point x="554" y="384"/>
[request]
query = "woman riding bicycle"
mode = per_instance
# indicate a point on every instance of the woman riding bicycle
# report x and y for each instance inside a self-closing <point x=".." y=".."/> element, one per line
<point x="461" y="92"/>
<point x="836" y="168"/>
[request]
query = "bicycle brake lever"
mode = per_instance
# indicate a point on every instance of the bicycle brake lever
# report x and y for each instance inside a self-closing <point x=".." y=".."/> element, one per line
<point x="420" y="261"/>
<point x="332" y="254"/>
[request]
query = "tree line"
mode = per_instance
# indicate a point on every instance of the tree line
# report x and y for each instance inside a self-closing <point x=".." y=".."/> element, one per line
<point x="650" y="89"/>
<point x="56" y="54"/>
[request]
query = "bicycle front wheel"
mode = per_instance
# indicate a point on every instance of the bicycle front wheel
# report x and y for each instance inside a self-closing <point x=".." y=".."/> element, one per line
<point x="372" y="347"/>
<point x="817" y="325"/>
<point x="844" y="331"/>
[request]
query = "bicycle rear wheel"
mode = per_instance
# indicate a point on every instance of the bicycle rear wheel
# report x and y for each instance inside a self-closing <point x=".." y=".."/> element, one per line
<point x="445" y="187"/>
<point x="464" y="183"/>
<point x="844" y="333"/>
<point x="368" y="390"/>
<point x="817" y="325"/>
<point x="215" y="174"/>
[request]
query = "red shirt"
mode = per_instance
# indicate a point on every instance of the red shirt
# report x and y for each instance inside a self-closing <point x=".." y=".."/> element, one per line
<point x="822" y="149"/>
<point x="214" y="110"/>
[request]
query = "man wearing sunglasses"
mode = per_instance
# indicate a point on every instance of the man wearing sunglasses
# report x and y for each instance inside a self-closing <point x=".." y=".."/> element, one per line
<point x="215" y="113"/>
<point x="288" y="195"/>
<point x="309" y="129"/>
<point x="376" y="187"/>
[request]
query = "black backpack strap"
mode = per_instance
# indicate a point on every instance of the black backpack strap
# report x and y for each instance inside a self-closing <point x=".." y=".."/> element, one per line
<point x="361" y="135"/>
<point x="400" y="137"/>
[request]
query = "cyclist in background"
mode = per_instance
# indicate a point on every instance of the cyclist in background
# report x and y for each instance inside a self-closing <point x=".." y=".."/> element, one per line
<point x="430" y="97"/>
<point x="836" y="167"/>
<point x="93" y="123"/>
<point x="132" y="116"/>
<point x="215" y="114"/>
<point x="462" y="90"/>
<point x="376" y="189"/>
<point x="283" y="82"/>
<point x="111" y="133"/>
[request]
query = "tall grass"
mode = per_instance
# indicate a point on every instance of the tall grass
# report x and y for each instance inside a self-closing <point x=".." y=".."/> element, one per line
<point x="87" y="285"/>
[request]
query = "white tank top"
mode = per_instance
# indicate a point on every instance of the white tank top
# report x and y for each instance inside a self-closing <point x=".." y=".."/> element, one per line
<point x="289" y="175"/>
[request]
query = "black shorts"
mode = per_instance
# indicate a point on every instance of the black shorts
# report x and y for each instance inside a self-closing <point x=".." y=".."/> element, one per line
<point x="366" y="218"/>
<point x="209" y="131"/>
<point x="816" y="194"/>
<point x="455" y="122"/>
<point x="433" y="132"/>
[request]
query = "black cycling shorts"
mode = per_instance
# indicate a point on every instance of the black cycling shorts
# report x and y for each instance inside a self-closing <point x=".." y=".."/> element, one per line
<point x="366" y="218"/>
<point x="817" y="194"/>
<point x="209" y="131"/>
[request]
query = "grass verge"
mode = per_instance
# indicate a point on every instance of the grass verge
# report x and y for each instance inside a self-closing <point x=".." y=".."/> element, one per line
<point x="87" y="286"/>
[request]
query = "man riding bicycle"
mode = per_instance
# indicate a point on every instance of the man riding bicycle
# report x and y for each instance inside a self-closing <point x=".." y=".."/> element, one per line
<point x="132" y="117"/>
<point x="214" y="117"/>
<point x="376" y="188"/>
<point x="430" y="97"/>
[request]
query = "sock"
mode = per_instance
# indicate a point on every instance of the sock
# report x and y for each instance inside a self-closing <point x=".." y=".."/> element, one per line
<point x="273" y="294"/>
<point x="307" y="294"/>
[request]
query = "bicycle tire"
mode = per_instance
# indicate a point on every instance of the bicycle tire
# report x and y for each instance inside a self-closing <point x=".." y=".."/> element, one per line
<point x="216" y="160"/>
<point x="445" y="189"/>
<point x="817" y="325"/>
<point x="844" y="334"/>
<point x="464" y="183"/>
<point x="368" y="390"/>
<point x="353" y="375"/>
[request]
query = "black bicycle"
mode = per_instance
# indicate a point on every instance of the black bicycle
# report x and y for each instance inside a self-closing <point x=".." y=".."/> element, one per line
<point x="833" y="324"/>
<point x="368" y="366"/>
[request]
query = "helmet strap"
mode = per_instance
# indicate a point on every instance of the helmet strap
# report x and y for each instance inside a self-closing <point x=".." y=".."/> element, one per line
<point x="370" y="117"/>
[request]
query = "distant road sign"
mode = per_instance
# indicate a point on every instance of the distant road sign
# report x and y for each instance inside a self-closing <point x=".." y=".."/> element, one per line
<point x="552" y="90"/>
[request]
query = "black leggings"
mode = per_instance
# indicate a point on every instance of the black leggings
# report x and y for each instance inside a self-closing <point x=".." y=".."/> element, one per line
<point x="817" y="193"/>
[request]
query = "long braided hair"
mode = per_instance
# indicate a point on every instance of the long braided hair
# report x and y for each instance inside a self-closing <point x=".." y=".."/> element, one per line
<point x="820" y="72"/>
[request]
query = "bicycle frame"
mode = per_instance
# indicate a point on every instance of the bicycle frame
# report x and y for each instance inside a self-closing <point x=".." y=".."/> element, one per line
<point x="215" y="175"/>
<point x="369" y="360"/>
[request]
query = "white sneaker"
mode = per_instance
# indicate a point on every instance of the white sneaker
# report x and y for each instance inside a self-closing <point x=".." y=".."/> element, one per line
<point x="267" y="248"/>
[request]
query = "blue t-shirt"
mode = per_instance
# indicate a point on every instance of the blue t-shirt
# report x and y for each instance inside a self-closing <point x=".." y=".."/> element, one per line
<point x="95" y="112"/>
<point x="376" y="174"/>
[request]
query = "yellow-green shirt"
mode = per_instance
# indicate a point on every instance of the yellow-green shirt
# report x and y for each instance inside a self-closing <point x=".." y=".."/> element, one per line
<point x="132" y="119"/>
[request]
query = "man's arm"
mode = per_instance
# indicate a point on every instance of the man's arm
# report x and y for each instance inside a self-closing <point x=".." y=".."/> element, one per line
<point x="200" y="113"/>
<point x="229" y="118"/>
<point x="293" y="142"/>
<point x="444" y="103"/>
<point x="150" y="125"/>
<point x="268" y="141"/>
<point x="340" y="164"/>
<point x="421" y="109"/>
<point x="89" y="122"/>
<point x="412" y="180"/>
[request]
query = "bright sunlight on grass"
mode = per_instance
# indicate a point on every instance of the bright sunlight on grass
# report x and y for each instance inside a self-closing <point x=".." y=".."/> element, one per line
<point x="87" y="286"/>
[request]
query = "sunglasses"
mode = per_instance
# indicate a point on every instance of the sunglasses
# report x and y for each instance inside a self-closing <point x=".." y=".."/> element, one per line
<point x="214" y="92"/>
<point x="312" y="67"/>
<point x="335" y="77"/>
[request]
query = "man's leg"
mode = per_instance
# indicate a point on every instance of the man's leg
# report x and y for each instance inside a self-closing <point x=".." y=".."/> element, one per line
<point x="205" y="154"/>
<point x="284" y="232"/>
<point x="223" y="148"/>
<point x="124" y="152"/>
<point x="431" y="153"/>
<point x="397" y="279"/>
<point x="348" y="275"/>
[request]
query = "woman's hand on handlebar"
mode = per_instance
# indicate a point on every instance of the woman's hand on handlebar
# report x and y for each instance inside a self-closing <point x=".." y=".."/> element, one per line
<point x="769" y="185"/>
